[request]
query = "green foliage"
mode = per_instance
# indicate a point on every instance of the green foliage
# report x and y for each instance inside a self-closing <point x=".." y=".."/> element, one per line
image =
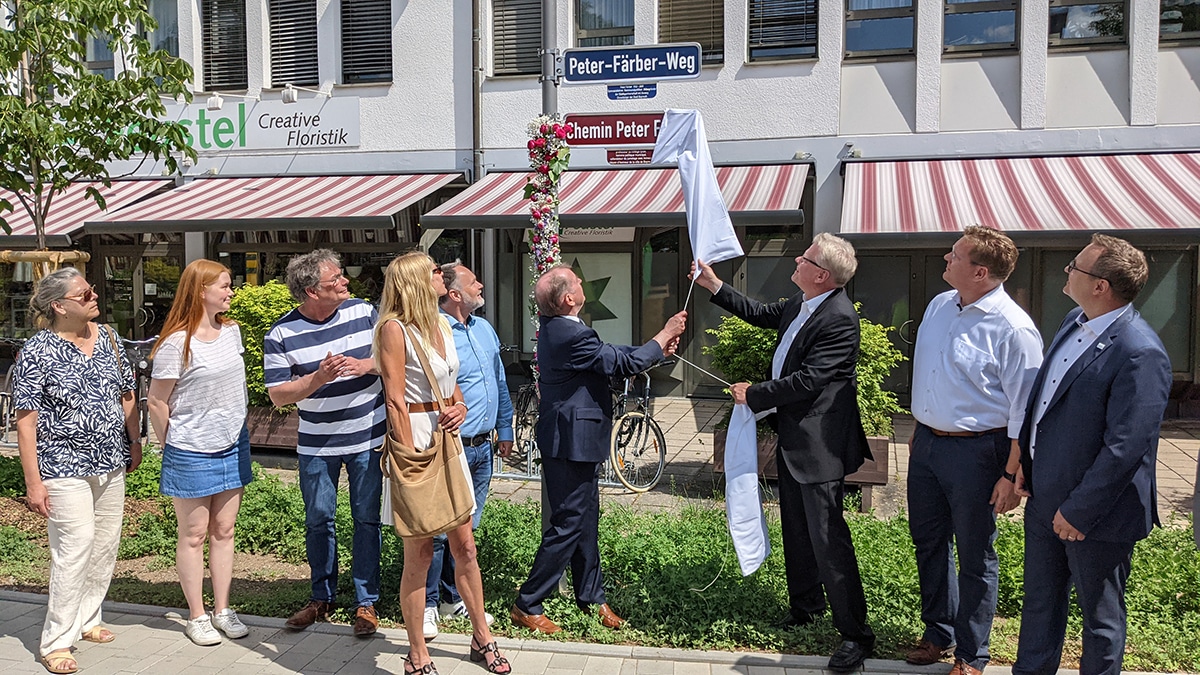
<point x="20" y="558"/>
<point x="12" y="477"/>
<point x="60" y="122"/>
<point x="256" y="309"/>
<point x="742" y="352"/>
<point x="271" y="519"/>
<point x="143" y="483"/>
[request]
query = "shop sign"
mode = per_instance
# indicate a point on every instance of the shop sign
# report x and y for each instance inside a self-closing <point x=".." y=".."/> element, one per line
<point x="614" y="129"/>
<point x="309" y="124"/>
<point x="597" y="234"/>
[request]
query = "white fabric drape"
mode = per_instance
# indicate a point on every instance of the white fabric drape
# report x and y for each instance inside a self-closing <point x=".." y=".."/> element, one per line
<point x="743" y="500"/>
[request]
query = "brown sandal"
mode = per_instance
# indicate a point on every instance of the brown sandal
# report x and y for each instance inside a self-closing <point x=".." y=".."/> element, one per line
<point x="499" y="664"/>
<point x="54" y="661"/>
<point x="99" y="634"/>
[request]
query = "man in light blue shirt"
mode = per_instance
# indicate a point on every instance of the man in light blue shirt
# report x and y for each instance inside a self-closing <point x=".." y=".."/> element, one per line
<point x="489" y="409"/>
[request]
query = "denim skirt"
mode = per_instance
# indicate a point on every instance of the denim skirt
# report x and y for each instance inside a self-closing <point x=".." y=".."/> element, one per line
<point x="189" y="475"/>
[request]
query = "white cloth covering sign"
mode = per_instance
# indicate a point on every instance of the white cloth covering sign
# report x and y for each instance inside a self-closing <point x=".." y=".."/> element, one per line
<point x="743" y="499"/>
<point x="681" y="139"/>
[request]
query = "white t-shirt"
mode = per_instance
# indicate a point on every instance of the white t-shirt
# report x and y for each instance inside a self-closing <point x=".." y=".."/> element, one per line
<point x="208" y="404"/>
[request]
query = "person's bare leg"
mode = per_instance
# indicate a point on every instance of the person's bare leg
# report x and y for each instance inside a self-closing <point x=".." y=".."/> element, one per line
<point x="222" y="517"/>
<point x="470" y="583"/>
<point x="193" y="516"/>
<point x="418" y="553"/>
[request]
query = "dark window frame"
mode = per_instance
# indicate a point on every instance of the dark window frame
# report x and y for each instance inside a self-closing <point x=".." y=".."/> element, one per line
<point x="366" y="48"/>
<point x="776" y="12"/>
<point x="221" y="50"/>
<point x="292" y="27"/>
<point x="711" y="38"/>
<point x="1182" y="37"/>
<point x="1013" y="6"/>
<point x="876" y="14"/>
<point x="516" y="37"/>
<point x="1102" y="41"/>
<point x="582" y="34"/>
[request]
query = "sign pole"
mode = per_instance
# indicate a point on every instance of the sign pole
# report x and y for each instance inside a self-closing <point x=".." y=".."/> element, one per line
<point x="549" y="82"/>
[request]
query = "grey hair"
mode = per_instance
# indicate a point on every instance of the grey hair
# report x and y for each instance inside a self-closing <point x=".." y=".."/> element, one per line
<point x="450" y="278"/>
<point x="52" y="288"/>
<point x="304" y="272"/>
<point x="551" y="288"/>
<point x="837" y="257"/>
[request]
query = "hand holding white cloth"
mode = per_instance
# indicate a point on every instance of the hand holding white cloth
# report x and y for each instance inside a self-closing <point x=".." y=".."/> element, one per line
<point x="743" y="499"/>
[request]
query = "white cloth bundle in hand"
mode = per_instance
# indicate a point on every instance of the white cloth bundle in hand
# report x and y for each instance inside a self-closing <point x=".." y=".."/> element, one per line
<point x="743" y="498"/>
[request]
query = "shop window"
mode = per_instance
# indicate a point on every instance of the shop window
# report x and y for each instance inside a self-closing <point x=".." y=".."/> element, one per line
<point x="1086" y="22"/>
<point x="602" y="23"/>
<point x="223" y="37"/>
<point x="366" y="41"/>
<point x="516" y="37"/>
<point x="782" y="29"/>
<point x="700" y="21"/>
<point x="1178" y="20"/>
<point x="293" y="42"/>
<point x="975" y="25"/>
<point x="165" y="35"/>
<point x="100" y="57"/>
<point x="880" y="27"/>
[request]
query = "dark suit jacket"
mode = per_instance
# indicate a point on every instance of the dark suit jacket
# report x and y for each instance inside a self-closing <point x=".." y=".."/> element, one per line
<point x="1097" y="443"/>
<point x="575" y="367"/>
<point x="820" y="431"/>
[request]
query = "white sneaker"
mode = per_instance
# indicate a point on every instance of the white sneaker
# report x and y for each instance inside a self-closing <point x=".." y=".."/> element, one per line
<point x="458" y="610"/>
<point x="430" y="624"/>
<point x="228" y="622"/>
<point x="200" y="630"/>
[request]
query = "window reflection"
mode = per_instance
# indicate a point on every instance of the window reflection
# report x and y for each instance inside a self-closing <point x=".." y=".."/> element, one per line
<point x="1092" y="22"/>
<point x="875" y="35"/>
<point x="1179" y="19"/>
<point x="981" y="29"/>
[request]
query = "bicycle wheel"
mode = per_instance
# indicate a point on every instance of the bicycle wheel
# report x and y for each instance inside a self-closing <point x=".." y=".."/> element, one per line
<point x="638" y="451"/>
<point x="525" y="417"/>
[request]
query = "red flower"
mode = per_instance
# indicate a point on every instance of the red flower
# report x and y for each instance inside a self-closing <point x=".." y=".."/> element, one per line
<point x="544" y="169"/>
<point x="545" y="128"/>
<point x="539" y="142"/>
<point x="570" y="127"/>
<point x="561" y="132"/>
<point x="531" y="145"/>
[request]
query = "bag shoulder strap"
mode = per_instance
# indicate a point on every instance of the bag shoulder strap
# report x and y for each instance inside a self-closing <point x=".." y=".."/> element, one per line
<point x="424" y="359"/>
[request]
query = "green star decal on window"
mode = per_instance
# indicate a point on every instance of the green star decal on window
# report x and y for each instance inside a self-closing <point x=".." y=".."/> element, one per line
<point x="593" y="309"/>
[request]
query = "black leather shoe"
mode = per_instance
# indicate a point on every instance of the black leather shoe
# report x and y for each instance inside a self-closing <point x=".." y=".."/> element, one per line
<point x="850" y="656"/>
<point x="793" y="621"/>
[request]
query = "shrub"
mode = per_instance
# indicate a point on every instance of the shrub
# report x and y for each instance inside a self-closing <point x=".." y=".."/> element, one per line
<point x="12" y="477"/>
<point x="256" y="309"/>
<point x="143" y="483"/>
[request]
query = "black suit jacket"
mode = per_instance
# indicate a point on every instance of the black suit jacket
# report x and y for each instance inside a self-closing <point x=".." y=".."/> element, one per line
<point x="575" y="368"/>
<point x="820" y="431"/>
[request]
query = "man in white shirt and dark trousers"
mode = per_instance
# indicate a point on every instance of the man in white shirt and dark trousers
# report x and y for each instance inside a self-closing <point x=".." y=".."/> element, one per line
<point x="976" y="355"/>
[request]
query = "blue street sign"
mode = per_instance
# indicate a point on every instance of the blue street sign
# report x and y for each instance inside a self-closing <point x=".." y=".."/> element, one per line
<point x="633" y="63"/>
<point x="627" y="92"/>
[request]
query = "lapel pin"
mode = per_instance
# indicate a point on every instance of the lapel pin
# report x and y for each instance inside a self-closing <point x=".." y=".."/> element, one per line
<point x="1100" y="346"/>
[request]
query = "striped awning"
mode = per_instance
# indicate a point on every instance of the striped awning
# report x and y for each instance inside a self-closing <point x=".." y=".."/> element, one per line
<point x="275" y="202"/>
<point x="624" y="197"/>
<point x="1031" y="194"/>
<point x="71" y="208"/>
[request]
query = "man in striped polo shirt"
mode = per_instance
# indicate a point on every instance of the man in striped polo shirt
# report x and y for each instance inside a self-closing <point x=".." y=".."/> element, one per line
<point x="318" y="356"/>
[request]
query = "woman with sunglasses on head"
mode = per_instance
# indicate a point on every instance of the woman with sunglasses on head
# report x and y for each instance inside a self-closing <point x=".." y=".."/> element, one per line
<point x="76" y="418"/>
<point x="197" y="405"/>
<point x="409" y="307"/>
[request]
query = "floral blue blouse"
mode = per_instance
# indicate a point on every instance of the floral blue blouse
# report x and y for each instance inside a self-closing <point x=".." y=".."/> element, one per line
<point x="80" y="422"/>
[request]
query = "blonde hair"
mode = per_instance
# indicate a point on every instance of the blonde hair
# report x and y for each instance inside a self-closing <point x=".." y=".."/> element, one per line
<point x="836" y="255"/>
<point x="187" y="311"/>
<point x="408" y="296"/>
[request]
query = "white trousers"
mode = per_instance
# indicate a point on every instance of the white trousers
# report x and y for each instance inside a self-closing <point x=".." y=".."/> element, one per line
<point x="85" y="529"/>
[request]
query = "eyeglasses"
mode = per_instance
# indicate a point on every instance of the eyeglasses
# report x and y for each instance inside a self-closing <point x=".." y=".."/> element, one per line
<point x="810" y="261"/>
<point x="334" y="280"/>
<point x="84" y="297"/>
<point x="437" y="270"/>
<point x="1072" y="267"/>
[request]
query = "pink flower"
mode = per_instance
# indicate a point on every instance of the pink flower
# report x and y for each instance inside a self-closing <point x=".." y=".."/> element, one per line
<point x="539" y="142"/>
<point x="554" y="239"/>
<point x="549" y="260"/>
<point x="561" y="132"/>
<point x="570" y="127"/>
<point x="531" y="145"/>
<point x="544" y="169"/>
<point x="545" y="128"/>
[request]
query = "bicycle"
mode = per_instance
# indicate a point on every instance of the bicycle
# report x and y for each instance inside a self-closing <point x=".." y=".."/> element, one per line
<point x="525" y="416"/>
<point x="637" y="448"/>
<point x="138" y="353"/>
<point x="7" y="414"/>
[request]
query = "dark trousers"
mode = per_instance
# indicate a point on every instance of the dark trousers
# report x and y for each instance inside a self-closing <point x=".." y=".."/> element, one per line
<point x="950" y="481"/>
<point x="818" y="552"/>
<point x="1098" y="570"/>
<point x="573" y="494"/>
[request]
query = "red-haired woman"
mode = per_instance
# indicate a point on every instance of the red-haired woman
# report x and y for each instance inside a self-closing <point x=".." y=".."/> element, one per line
<point x="197" y="404"/>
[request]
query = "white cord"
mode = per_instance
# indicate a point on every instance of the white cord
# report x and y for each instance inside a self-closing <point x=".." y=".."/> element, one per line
<point x="701" y="590"/>
<point x="702" y="370"/>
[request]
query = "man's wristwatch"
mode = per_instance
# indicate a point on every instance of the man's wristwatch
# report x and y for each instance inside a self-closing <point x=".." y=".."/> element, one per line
<point x="1012" y="477"/>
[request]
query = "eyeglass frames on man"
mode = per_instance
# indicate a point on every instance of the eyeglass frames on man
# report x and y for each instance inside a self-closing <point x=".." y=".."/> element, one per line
<point x="812" y="262"/>
<point x="1072" y="267"/>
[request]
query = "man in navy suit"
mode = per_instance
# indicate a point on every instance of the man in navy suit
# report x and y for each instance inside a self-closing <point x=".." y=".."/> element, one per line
<point x="573" y="430"/>
<point x="814" y="390"/>
<point x="1088" y="451"/>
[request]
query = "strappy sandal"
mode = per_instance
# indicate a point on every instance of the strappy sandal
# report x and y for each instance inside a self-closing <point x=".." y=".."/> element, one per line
<point x="427" y="669"/>
<point x="54" y="661"/>
<point x="499" y="664"/>
<point x="99" y="634"/>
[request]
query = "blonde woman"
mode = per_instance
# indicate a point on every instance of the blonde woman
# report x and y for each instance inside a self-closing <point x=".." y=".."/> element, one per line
<point x="197" y="404"/>
<point x="412" y="285"/>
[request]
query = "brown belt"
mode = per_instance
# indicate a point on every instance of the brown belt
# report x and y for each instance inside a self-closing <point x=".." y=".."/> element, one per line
<point x="428" y="406"/>
<point x="966" y="434"/>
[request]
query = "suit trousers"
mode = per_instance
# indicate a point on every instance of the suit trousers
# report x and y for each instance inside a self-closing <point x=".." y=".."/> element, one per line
<point x="1098" y="570"/>
<point x="573" y="495"/>
<point x="818" y="552"/>
<point x="950" y="481"/>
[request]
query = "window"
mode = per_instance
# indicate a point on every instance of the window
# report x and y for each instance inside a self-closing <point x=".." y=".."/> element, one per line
<point x="880" y="27"/>
<point x="700" y="21"/>
<point x="366" y="41"/>
<point x="166" y="35"/>
<point x="601" y="23"/>
<point x="1086" y="22"/>
<point x="293" y="42"/>
<point x="782" y="29"/>
<point x="1178" y="20"/>
<point x="516" y="37"/>
<point x="975" y="25"/>
<point x="223" y="33"/>
<point x="100" y="57"/>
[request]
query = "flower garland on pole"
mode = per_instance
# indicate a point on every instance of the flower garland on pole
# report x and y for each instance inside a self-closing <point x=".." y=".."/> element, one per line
<point x="549" y="156"/>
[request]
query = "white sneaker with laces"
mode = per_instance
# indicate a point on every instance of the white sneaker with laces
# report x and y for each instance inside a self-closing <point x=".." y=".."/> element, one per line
<point x="430" y="624"/>
<point x="228" y="622"/>
<point x="456" y="610"/>
<point x="200" y="630"/>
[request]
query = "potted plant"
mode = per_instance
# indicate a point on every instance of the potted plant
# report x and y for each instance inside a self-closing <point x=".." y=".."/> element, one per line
<point x="743" y="354"/>
<point x="256" y="309"/>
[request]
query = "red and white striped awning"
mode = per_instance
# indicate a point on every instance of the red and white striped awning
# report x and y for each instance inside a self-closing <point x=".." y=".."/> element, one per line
<point x="276" y="202"/>
<point x="626" y="197"/>
<point x="71" y="208"/>
<point x="1103" y="192"/>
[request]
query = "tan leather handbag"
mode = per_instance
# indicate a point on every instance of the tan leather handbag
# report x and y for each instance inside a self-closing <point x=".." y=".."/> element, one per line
<point x="431" y="493"/>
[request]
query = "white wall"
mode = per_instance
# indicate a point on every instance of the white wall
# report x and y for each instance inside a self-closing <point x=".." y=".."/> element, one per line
<point x="1087" y="89"/>
<point x="1179" y="86"/>
<point x="879" y="98"/>
<point x="981" y="94"/>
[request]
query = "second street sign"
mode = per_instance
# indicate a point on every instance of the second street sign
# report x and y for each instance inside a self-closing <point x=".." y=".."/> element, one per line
<point x="633" y="63"/>
<point x="614" y="128"/>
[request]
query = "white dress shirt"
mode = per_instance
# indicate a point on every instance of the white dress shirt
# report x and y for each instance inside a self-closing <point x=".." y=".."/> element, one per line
<point x="973" y="366"/>
<point x="1073" y="345"/>
<point x="807" y="308"/>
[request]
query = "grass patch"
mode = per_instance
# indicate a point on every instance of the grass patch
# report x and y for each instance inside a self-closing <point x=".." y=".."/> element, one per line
<point x="21" y="558"/>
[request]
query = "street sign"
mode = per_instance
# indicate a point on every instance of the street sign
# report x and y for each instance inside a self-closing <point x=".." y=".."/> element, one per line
<point x="614" y="128"/>
<point x="631" y="63"/>
<point x="628" y="92"/>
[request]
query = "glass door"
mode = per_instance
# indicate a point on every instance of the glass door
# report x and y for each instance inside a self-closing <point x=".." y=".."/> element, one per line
<point x="138" y="289"/>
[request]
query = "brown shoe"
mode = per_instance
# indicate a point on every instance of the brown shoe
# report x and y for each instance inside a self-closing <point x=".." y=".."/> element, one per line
<point x="926" y="653"/>
<point x="367" y="621"/>
<point x="609" y="618"/>
<point x="308" y="615"/>
<point x="537" y="623"/>
<point x="963" y="668"/>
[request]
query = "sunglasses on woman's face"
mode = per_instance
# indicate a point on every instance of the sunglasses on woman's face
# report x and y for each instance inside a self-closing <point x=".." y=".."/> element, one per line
<point x="84" y="297"/>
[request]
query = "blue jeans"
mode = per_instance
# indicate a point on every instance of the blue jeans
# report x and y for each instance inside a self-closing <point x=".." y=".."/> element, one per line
<point x="318" y="485"/>
<point x="479" y="458"/>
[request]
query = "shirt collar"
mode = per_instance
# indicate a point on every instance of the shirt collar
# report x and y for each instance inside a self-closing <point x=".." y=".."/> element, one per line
<point x="986" y="304"/>
<point x="814" y="303"/>
<point x="571" y="317"/>
<point x="1101" y="323"/>
<point x="454" y="322"/>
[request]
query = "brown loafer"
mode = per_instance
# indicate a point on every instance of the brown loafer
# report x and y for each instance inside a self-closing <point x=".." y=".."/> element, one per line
<point x="926" y="653"/>
<point x="609" y="618"/>
<point x="963" y="668"/>
<point x="537" y="623"/>
<point x="308" y="615"/>
<point x="366" y="621"/>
